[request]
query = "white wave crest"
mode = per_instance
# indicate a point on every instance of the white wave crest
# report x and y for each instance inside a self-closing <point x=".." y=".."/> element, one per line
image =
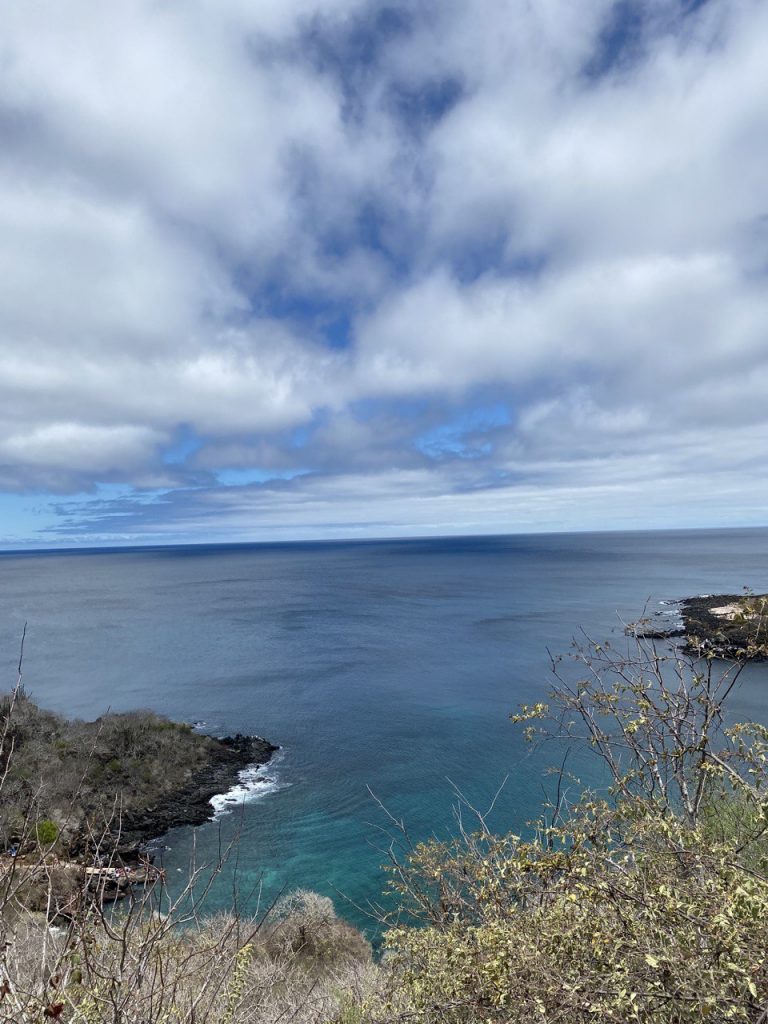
<point x="252" y="784"/>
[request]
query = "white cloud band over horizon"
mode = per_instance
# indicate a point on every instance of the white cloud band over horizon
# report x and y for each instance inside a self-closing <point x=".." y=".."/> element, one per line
<point x="299" y="270"/>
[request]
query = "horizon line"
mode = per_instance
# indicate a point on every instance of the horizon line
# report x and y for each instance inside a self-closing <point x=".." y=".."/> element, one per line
<point x="297" y="542"/>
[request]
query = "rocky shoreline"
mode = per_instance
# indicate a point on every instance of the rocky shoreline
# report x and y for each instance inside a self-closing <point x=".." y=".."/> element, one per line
<point x="190" y="804"/>
<point x="732" y="627"/>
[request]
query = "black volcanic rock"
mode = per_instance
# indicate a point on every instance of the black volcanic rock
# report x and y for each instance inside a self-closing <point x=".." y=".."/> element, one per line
<point x="741" y="638"/>
<point x="190" y="805"/>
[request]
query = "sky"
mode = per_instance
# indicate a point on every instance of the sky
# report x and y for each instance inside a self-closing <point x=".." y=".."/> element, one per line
<point x="294" y="269"/>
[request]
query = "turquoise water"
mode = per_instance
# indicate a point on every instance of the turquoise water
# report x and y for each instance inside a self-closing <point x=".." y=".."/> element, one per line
<point x="390" y="665"/>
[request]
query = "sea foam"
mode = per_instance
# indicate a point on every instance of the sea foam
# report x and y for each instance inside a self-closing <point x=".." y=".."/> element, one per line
<point x="252" y="783"/>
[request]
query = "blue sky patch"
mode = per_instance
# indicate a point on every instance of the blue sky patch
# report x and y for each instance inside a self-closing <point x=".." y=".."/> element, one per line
<point x="185" y="444"/>
<point x="463" y="435"/>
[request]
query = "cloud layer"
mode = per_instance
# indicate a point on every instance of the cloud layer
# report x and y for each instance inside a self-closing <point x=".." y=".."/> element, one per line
<point x="348" y="268"/>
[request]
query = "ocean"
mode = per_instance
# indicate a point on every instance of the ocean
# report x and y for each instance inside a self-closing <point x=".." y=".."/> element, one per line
<point x="381" y="667"/>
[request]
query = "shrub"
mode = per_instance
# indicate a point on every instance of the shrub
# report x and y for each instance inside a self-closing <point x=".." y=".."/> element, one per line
<point x="305" y="925"/>
<point x="648" y="903"/>
<point x="47" y="832"/>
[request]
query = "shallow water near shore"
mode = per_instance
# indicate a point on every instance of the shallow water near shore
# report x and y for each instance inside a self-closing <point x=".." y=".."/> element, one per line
<point x="391" y="665"/>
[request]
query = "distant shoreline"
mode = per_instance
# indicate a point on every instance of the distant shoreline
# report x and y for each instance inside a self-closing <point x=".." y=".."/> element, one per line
<point x="733" y="627"/>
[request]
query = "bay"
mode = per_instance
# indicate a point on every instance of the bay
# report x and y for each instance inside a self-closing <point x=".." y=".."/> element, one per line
<point x="388" y="666"/>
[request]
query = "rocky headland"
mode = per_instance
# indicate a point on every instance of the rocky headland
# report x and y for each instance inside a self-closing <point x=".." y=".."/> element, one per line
<point x="112" y="784"/>
<point x="733" y="627"/>
<point x="191" y="803"/>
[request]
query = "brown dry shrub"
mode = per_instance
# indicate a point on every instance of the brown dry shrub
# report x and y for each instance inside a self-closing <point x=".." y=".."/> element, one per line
<point x="304" y="924"/>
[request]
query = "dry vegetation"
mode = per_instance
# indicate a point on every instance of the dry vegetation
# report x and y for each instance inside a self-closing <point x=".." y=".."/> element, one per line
<point x="299" y="963"/>
<point x="134" y="770"/>
<point x="645" y="902"/>
<point x="72" y="771"/>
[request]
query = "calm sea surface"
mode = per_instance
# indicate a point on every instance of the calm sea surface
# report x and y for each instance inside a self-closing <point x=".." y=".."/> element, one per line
<point x="390" y="665"/>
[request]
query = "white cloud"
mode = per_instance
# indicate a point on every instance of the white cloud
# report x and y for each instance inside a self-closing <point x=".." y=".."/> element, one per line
<point x="49" y="453"/>
<point x="192" y="193"/>
<point x="630" y="320"/>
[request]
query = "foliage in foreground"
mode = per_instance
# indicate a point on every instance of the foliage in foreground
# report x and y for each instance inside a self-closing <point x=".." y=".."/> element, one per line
<point x="650" y="904"/>
<point x="300" y="963"/>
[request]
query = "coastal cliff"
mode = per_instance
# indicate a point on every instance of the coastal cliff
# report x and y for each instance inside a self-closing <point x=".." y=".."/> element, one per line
<point x="113" y="783"/>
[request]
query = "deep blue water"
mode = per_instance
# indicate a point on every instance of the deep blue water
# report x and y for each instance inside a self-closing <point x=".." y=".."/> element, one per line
<point x="388" y="664"/>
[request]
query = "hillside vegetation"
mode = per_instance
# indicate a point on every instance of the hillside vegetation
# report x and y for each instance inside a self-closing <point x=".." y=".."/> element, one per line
<point x="82" y="780"/>
<point x="646" y="901"/>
